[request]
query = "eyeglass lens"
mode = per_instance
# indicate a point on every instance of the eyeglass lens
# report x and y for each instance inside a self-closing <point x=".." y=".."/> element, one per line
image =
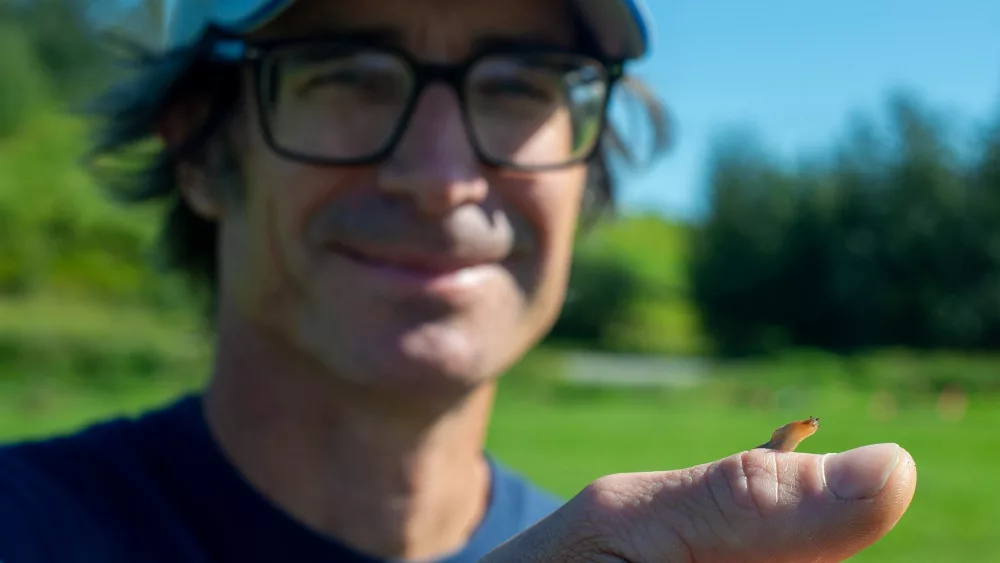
<point x="528" y="110"/>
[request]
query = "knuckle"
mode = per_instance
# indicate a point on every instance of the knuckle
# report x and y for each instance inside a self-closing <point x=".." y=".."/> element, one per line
<point x="727" y="506"/>
<point x="770" y="482"/>
<point x="599" y="529"/>
<point x="704" y="519"/>
<point x="717" y="510"/>
<point x="607" y="510"/>
<point x="621" y="523"/>
<point x="753" y="480"/>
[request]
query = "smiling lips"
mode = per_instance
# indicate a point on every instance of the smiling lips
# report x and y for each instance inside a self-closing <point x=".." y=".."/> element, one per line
<point x="418" y="263"/>
<point x="441" y="275"/>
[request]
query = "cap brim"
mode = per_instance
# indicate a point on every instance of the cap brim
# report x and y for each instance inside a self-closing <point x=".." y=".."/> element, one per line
<point x="622" y="27"/>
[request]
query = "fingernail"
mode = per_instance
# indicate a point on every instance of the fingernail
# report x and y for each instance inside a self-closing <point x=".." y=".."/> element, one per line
<point x="862" y="472"/>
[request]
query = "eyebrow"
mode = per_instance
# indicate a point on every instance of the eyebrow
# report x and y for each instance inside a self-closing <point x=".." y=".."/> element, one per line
<point x="534" y="40"/>
<point x="395" y="38"/>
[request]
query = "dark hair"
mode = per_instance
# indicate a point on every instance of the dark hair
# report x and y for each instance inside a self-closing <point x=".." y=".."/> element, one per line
<point x="129" y="111"/>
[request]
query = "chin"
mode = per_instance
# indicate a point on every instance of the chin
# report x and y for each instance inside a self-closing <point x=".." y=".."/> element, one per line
<point x="432" y="362"/>
<point x="426" y="378"/>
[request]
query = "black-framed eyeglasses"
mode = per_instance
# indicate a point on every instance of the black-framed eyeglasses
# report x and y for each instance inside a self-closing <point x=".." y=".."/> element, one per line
<point x="329" y="101"/>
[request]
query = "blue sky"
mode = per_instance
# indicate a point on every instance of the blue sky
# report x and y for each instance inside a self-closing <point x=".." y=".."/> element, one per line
<point x="794" y="70"/>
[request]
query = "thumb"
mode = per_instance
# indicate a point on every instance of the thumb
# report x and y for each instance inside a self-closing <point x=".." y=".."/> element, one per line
<point x="755" y="506"/>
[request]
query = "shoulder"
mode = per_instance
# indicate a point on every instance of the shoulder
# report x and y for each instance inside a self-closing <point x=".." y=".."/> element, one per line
<point x="25" y="497"/>
<point x="44" y="499"/>
<point x="72" y="491"/>
<point x="525" y="498"/>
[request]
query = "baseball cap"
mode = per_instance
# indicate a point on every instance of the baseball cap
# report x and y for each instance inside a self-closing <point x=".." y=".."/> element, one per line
<point x="621" y="27"/>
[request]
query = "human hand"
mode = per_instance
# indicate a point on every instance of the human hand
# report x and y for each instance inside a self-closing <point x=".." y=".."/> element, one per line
<point x="758" y="506"/>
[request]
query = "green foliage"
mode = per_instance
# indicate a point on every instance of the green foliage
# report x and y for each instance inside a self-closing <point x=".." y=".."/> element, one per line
<point x="24" y="86"/>
<point x="94" y="343"/>
<point x="601" y="288"/>
<point x="628" y="290"/>
<point x="63" y="235"/>
<point x="891" y="243"/>
<point x="78" y="294"/>
<point x="63" y="46"/>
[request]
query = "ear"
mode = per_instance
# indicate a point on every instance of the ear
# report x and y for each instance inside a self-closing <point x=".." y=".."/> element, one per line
<point x="178" y="122"/>
<point x="198" y="191"/>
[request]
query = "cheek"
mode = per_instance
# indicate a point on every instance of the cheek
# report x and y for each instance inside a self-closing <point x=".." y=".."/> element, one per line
<point x="551" y="204"/>
<point x="281" y="197"/>
<point x="294" y="191"/>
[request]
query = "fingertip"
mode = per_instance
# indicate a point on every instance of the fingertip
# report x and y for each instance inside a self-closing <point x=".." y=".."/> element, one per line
<point x="869" y="518"/>
<point x="900" y="487"/>
<point x="862" y="472"/>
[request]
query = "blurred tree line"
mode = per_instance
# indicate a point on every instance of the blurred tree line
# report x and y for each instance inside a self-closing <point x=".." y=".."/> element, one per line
<point x="890" y="240"/>
<point x="59" y="232"/>
<point x="51" y="54"/>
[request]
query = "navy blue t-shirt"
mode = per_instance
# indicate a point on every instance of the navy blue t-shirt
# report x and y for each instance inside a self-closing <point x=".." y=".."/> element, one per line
<point x="156" y="489"/>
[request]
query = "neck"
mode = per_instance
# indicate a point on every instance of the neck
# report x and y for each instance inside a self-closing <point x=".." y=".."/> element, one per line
<point x="380" y="475"/>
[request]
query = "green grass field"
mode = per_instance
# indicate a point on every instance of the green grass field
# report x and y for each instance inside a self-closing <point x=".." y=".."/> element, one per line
<point x="565" y="437"/>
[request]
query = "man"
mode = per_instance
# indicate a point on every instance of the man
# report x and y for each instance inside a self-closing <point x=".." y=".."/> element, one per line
<point x="382" y="196"/>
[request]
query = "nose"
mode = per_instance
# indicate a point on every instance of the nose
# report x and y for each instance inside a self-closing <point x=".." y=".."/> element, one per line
<point x="434" y="165"/>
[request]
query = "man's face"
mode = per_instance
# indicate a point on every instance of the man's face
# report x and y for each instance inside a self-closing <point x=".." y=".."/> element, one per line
<point x="427" y="271"/>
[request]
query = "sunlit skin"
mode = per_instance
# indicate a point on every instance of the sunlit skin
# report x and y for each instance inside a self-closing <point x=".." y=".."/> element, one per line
<point x="789" y="436"/>
<point x="353" y="392"/>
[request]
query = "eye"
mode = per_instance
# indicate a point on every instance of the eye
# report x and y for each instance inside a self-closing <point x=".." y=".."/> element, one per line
<point x="345" y="77"/>
<point x="513" y="88"/>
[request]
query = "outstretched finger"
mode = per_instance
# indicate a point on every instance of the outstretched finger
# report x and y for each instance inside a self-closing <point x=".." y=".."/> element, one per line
<point x="759" y="505"/>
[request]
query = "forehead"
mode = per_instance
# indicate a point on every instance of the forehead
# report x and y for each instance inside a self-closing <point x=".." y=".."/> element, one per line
<point x="432" y="28"/>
